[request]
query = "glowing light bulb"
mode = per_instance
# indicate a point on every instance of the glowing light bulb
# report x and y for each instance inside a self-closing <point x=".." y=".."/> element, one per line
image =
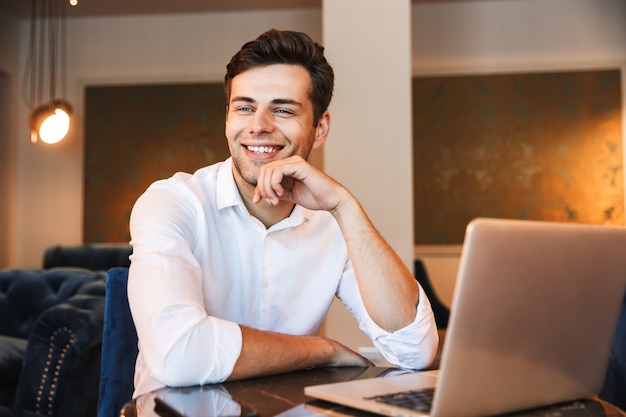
<point x="55" y="127"/>
<point x="50" y="122"/>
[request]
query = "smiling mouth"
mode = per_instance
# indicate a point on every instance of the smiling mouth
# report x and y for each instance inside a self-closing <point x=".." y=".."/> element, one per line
<point x="259" y="150"/>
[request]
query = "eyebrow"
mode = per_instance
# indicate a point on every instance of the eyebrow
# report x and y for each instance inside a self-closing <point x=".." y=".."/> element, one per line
<point x="275" y="101"/>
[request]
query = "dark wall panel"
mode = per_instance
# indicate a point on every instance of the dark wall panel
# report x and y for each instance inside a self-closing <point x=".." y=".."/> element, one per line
<point x="542" y="146"/>
<point x="135" y="135"/>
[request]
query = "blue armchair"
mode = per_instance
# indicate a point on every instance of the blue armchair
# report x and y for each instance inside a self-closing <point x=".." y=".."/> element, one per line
<point x="119" y="347"/>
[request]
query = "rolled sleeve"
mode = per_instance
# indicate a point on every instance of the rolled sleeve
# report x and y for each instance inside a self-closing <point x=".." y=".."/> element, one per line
<point x="218" y="339"/>
<point x="412" y="347"/>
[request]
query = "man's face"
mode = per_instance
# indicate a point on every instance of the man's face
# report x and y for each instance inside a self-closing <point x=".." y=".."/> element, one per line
<point x="270" y="117"/>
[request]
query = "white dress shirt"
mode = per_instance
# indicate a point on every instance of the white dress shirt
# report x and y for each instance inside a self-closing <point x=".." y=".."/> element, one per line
<point x="202" y="265"/>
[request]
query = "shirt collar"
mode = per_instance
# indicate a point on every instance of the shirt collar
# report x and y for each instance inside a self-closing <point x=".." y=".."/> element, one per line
<point x="228" y="196"/>
<point x="227" y="191"/>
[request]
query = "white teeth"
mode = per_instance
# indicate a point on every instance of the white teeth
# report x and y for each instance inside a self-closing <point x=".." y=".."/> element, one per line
<point x="262" y="149"/>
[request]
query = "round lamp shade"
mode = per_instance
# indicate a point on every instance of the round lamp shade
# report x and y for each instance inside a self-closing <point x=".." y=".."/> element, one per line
<point x="50" y="122"/>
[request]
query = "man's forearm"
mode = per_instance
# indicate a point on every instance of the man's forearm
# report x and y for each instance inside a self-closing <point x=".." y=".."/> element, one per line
<point x="267" y="353"/>
<point x="389" y="290"/>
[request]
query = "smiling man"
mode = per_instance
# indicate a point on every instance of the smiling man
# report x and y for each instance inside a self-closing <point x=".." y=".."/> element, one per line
<point x="235" y="266"/>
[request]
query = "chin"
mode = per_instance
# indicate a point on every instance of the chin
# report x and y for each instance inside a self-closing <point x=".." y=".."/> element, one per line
<point x="249" y="176"/>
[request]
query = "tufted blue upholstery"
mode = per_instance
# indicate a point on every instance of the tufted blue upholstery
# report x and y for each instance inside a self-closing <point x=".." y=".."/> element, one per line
<point x="96" y="256"/>
<point x="56" y="318"/>
<point x="26" y="293"/>
<point x="119" y="347"/>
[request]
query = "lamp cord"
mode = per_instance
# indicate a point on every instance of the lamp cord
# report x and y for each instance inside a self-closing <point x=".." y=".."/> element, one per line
<point x="28" y="78"/>
<point x="48" y="22"/>
<point x="52" y="39"/>
<point x="63" y="21"/>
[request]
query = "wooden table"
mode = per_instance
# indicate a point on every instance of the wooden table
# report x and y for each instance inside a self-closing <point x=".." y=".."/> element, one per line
<point x="284" y="395"/>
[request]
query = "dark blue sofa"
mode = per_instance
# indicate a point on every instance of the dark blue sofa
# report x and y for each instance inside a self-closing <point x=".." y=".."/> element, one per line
<point x="50" y="338"/>
<point x="94" y="256"/>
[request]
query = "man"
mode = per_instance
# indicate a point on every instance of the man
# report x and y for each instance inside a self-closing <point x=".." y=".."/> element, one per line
<point x="235" y="267"/>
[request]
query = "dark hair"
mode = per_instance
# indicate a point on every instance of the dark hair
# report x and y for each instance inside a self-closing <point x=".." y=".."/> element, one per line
<point x="286" y="47"/>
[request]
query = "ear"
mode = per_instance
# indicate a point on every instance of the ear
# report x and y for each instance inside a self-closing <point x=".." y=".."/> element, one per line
<point x="322" y="130"/>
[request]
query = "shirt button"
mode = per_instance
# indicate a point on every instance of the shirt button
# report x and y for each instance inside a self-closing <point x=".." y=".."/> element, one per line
<point x="266" y="284"/>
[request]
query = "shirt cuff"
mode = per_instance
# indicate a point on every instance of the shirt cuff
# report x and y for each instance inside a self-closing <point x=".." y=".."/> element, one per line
<point x="415" y="345"/>
<point x="227" y="344"/>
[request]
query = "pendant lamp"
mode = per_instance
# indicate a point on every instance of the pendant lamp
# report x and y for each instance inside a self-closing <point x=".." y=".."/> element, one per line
<point x="46" y="65"/>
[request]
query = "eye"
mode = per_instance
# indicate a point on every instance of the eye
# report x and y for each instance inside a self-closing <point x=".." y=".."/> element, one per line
<point x="284" y="111"/>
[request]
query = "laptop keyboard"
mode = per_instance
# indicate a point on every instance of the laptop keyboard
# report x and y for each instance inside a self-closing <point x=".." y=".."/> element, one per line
<point x="418" y="400"/>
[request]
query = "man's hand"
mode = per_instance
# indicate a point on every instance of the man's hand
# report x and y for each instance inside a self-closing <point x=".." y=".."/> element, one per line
<point x="294" y="179"/>
<point x="346" y="357"/>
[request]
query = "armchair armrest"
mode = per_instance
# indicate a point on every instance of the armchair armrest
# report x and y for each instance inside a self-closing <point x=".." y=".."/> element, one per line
<point x="61" y="366"/>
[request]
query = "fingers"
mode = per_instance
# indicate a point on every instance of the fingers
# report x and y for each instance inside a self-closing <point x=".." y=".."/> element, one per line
<point x="269" y="186"/>
<point x="295" y="180"/>
<point x="363" y="361"/>
<point x="345" y="356"/>
<point x="273" y="181"/>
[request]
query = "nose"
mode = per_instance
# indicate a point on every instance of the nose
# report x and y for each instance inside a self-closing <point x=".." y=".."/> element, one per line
<point x="261" y="122"/>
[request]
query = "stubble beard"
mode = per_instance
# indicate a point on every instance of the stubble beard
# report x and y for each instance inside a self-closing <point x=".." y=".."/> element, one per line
<point x="249" y="176"/>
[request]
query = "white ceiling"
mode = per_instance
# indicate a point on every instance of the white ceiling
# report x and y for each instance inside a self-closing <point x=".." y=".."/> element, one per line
<point x="21" y="8"/>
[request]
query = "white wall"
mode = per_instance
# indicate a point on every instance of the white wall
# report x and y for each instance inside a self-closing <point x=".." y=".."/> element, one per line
<point x="9" y="95"/>
<point x="370" y="144"/>
<point x="517" y="35"/>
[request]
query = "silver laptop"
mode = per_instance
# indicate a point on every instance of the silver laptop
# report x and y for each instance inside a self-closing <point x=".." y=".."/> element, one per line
<point x="533" y="316"/>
